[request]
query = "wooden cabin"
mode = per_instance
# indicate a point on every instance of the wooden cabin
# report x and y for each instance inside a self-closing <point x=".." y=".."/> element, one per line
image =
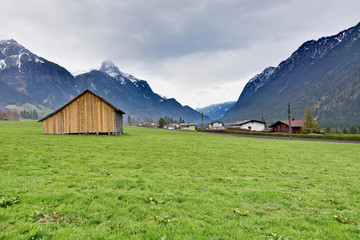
<point x="283" y="126"/>
<point x="87" y="113"/>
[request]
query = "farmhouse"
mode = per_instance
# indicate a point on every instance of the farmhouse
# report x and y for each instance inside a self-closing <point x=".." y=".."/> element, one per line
<point x="87" y="113"/>
<point x="253" y="125"/>
<point x="283" y="126"/>
<point x="216" y="125"/>
<point x="188" y="126"/>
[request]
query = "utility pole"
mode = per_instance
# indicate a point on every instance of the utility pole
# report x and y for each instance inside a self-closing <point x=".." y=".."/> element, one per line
<point x="289" y="121"/>
<point x="202" y="120"/>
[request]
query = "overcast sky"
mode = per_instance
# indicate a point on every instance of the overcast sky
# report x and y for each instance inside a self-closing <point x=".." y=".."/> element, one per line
<point x="199" y="52"/>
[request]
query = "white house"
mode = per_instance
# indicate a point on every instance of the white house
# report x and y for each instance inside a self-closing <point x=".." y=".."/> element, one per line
<point x="173" y="126"/>
<point x="216" y="125"/>
<point x="253" y="125"/>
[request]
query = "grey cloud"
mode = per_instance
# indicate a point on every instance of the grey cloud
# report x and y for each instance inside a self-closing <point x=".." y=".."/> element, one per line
<point x="208" y="42"/>
<point x="202" y="92"/>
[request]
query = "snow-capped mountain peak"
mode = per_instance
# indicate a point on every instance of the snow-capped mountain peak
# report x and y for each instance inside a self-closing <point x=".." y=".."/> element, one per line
<point x="13" y="54"/>
<point x="109" y="68"/>
<point x="112" y="70"/>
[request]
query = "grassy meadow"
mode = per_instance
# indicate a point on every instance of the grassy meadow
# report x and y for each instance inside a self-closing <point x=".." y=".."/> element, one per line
<point x="161" y="184"/>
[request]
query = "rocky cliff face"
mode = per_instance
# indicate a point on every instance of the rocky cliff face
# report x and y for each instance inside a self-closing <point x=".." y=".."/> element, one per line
<point x="322" y="74"/>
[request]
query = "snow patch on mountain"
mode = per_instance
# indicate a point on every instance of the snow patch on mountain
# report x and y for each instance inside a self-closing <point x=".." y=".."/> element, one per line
<point x="2" y="64"/>
<point x="261" y="79"/>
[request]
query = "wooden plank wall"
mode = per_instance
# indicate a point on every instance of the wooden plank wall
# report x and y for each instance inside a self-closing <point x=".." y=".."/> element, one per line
<point x="119" y="122"/>
<point x="87" y="114"/>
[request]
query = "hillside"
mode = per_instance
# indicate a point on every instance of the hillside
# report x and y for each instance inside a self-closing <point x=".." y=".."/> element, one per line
<point x="324" y="74"/>
<point x="10" y="96"/>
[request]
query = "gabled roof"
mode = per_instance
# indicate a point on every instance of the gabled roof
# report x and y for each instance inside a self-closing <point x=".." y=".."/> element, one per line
<point x="294" y="123"/>
<point x="87" y="90"/>
<point x="217" y="122"/>
<point x="246" y="121"/>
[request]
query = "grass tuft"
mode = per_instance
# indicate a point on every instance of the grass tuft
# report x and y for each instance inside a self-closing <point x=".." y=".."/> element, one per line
<point x="240" y="212"/>
<point x="7" y="202"/>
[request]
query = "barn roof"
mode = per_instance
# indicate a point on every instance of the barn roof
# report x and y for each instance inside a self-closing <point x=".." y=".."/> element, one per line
<point x="294" y="123"/>
<point x="87" y="90"/>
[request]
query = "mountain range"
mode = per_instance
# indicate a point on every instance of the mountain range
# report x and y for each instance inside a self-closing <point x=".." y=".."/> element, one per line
<point x="323" y="74"/>
<point x="26" y="78"/>
<point x="216" y="111"/>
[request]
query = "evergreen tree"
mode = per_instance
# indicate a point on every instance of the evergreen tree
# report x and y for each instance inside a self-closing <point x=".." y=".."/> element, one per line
<point x="353" y="130"/>
<point x="129" y="120"/>
<point x="161" y="123"/>
<point x="182" y="120"/>
<point x="328" y="129"/>
<point x="310" y="125"/>
<point x="34" y="114"/>
<point x="345" y="131"/>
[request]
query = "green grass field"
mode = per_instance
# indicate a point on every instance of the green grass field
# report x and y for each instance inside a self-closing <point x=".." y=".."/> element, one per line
<point x="160" y="184"/>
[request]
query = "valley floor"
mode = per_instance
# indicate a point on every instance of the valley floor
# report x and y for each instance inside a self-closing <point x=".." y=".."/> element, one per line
<point x="157" y="184"/>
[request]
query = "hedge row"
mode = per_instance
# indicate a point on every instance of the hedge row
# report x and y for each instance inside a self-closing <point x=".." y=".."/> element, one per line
<point x="347" y="137"/>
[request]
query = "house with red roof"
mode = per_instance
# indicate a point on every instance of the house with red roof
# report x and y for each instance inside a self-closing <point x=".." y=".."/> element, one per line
<point x="283" y="126"/>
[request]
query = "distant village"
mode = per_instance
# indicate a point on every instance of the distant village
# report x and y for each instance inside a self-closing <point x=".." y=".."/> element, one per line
<point x="281" y="126"/>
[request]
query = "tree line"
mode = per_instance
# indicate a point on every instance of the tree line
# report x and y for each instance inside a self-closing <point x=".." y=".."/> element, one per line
<point x="29" y="114"/>
<point x="345" y="130"/>
<point x="162" y="122"/>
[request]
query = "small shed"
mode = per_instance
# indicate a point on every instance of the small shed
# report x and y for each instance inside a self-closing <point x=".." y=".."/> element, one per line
<point x="283" y="126"/>
<point x="253" y="125"/>
<point x="188" y="126"/>
<point x="87" y="113"/>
